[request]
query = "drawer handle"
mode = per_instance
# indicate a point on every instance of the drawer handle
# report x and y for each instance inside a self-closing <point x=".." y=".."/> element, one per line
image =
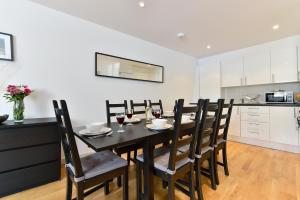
<point x="254" y="124"/>
<point x="254" y="115"/>
<point x="253" y="132"/>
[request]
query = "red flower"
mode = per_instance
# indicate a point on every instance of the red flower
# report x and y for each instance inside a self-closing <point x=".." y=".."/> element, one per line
<point x="27" y="91"/>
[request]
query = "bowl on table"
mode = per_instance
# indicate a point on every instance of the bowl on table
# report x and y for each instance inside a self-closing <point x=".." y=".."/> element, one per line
<point x="3" y="118"/>
<point x="95" y="127"/>
<point x="159" y="123"/>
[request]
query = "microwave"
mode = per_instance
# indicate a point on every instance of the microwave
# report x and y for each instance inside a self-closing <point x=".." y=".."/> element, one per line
<point x="280" y="97"/>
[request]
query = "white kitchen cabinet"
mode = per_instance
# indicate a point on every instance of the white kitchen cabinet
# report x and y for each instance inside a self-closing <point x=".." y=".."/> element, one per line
<point x="255" y="130"/>
<point x="255" y="122"/>
<point x="232" y="70"/>
<point x="235" y="122"/>
<point x="257" y="66"/>
<point x="284" y="63"/>
<point x="283" y="125"/>
<point x="210" y="80"/>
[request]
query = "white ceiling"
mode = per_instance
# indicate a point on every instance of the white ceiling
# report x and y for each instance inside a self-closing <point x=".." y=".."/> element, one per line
<point x="223" y="24"/>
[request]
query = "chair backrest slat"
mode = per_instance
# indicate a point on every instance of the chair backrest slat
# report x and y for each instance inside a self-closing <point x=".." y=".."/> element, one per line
<point x="67" y="136"/>
<point x="208" y="124"/>
<point x="223" y="128"/>
<point x="109" y="113"/>
<point x="180" y="128"/>
<point x="135" y="106"/>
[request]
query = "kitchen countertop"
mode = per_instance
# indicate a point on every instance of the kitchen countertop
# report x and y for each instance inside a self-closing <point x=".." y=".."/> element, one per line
<point x="268" y="104"/>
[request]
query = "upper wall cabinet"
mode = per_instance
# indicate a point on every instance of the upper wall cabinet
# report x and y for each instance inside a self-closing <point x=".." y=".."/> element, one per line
<point x="232" y="70"/>
<point x="210" y="80"/>
<point x="284" y="63"/>
<point x="257" y="66"/>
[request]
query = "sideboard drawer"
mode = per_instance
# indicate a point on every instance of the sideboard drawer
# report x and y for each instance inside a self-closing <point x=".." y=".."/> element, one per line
<point x="20" y="158"/>
<point x="28" y="136"/>
<point x="19" y="180"/>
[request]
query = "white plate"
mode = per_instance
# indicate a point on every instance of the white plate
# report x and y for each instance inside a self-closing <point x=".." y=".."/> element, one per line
<point x="103" y="131"/>
<point x="132" y="120"/>
<point x="152" y="127"/>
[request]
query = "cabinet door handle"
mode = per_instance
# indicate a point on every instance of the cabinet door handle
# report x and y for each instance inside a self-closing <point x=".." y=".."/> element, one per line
<point x="241" y="81"/>
<point x="294" y="112"/>
<point x="273" y="78"/>
<point x="245" y="80"/>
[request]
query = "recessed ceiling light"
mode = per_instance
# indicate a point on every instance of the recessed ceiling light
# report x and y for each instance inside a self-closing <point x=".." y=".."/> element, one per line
<point x="276" y="26"/>
<point x="180" y="35"/>
<point x="208" y="47"/>
<point x="141" y="4"/>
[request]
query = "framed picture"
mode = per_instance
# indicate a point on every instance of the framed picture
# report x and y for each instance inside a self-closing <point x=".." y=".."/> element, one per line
<point x="6" y="47"/>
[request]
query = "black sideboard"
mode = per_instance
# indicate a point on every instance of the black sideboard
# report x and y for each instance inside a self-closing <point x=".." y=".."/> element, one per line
<point x="29" y="154"/>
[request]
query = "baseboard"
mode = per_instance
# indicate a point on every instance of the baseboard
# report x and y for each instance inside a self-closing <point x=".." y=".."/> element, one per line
<point x="267" y="144"/>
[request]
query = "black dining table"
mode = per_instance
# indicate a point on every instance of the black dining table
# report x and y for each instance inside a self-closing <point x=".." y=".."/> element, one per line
<point x="134" y="134"/>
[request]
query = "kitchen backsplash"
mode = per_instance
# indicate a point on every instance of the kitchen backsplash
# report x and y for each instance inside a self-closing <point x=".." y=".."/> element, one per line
<point x="239" y="93"/>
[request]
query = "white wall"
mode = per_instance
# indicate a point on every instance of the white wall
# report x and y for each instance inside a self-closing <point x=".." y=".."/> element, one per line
<point x="55" y="56"/>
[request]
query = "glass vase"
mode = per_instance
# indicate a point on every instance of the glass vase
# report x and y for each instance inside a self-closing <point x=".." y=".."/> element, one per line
<point x="18" y="110"/>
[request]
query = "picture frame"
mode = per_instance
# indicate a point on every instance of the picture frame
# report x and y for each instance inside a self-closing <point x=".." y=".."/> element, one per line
<point x="6" y="47"/>
<point x="123" y="68"/>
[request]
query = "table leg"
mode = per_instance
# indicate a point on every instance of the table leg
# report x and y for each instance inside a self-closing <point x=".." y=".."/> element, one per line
<point x="148" y="170"/>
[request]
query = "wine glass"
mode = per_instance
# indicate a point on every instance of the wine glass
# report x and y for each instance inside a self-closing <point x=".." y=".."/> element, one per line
<point x="120" y="119"/>
<point x="129" y="114"/>
<point x="157" y="113"/>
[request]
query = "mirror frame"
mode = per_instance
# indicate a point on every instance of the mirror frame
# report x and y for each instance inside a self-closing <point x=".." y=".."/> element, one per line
<point x="96" y="62"/>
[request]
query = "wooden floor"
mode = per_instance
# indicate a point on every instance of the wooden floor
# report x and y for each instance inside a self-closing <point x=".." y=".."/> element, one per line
<point x="255" y="174"/>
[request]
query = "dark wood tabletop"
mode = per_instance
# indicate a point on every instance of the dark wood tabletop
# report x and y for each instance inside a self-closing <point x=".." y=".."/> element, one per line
<point x="135" y="133"/>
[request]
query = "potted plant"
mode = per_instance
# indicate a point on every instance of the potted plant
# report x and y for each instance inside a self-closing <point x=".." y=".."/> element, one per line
<point x="16" y="94"/>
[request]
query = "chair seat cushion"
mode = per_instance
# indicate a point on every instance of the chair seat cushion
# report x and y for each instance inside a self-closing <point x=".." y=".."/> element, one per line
<point x="203" y="150"/>
<point x="220" y="140"/>
<point x="161" y="160"/>
<point x="101" y="163"/>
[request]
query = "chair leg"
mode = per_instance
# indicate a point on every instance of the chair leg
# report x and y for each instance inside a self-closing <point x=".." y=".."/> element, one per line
<point x="171" y="188"/>
<point x="164" y="184"/>
<point x="125" y="184"/>
<point x="135" y="154"/>
<point x="211" y="163"/>
<point x="198" y="180"/>
<point x="224" y="152"/>
<point x="106" y="188"/>
<point x="216" y="174"/>
<point x="119" y="179"/>
<point x="69" y="188"/>
<point x="138" y="181"/>
<point x="80" y="192"/>
<point x="128" y="158"/>
<point x="192" y="182"/>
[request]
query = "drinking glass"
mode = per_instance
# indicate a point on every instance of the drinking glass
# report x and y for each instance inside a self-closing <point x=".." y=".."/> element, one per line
<point x="157" y="113"/>
<point x="129" y="113"/>
<point x="120" y="119"/>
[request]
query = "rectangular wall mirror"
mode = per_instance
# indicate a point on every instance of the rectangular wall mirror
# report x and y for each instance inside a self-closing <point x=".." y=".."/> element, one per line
<point x="116" y="67"/>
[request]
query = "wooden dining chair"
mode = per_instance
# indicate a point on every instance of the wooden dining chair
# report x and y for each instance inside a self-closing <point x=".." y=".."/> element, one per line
<point x="122" y="107"/>
<point x="208" y="142"/>
<point x="89" y="171"/>
<point x="157" y="104"/>
<point x="138" y="109"/>
<point x="207" y="125"/>
<point x="221" y="138"/>
<point x="169" y="163"/>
